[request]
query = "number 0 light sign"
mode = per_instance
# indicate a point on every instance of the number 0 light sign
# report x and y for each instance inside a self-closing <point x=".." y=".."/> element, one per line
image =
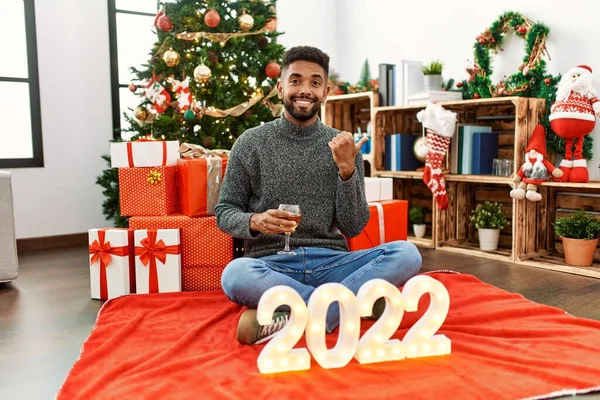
<point x="374" y="346"/>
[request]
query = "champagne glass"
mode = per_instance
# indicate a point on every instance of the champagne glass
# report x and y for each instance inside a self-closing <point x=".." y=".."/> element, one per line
<point x="296" y="217"/>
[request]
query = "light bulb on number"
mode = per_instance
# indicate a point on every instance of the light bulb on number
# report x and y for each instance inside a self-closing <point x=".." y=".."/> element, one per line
<point x="265" y="316"/>
<point x="437" y="318"/>
<point x="396" y="302"/>
<point x="269" y="363"/>
<point x="397" y="350"/>
<point x="412" y="348"/>
<point x="378" y="337"/>
<point x="423" y="333"/>
<point x="380" y="353"/>
<point x="366" y="354"/>
<point x="392" y="322"/>
<point x="316" y="328"/>
<point x="299" y="310"/>
<point x="345" y="295"/>
<point x="281" y="347"/>
<point x="295" y="331"/>
<point x="441" y="346"/>
<point x="300" y="361"/>
<point x="350" y="326"/>
<point x="366" y="308"/>
<point x="381" y="289"/>
<point x="321" y="355"/>
<point x="427" y="347"/>
<point x="426" y="285"/>
<point x="282" y="297"/>
<point x="325" y="296"/>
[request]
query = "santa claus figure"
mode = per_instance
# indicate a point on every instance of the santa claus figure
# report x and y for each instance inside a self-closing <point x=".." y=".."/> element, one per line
<point x="573" y="116"/>
<point x="536" y="168"/>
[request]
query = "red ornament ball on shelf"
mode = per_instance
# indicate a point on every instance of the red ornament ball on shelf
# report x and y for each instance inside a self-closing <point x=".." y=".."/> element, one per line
<point x="547" y="81"/>
<point x="273" y="70"/>
<point x="164" y="23"/>
<point x="459" y="84"/>
<point x="212" y="19"/>
<point x="476" y="96"/>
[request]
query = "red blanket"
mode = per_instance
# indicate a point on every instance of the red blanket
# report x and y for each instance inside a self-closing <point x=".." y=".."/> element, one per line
<point x="183" y="346"/>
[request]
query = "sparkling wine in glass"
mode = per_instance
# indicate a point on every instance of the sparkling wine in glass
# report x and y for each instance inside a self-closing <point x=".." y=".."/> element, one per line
<point x="296" y="217"/>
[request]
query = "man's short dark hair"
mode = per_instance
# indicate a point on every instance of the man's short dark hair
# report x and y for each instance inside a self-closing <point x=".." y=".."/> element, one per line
<point x="306" y="53"/>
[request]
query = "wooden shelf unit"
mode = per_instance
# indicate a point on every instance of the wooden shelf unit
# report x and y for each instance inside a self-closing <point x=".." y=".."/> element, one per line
<point x="348" y="112"/>
<point x="529" y="239"/>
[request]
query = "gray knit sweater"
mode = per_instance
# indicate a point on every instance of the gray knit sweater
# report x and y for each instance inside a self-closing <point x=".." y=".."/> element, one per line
<point x="282" y="163"/>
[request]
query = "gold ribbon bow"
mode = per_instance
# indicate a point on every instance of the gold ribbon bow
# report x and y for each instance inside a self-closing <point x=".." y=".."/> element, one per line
<point x="190" y="150"/>
<point x="154" y="177"/>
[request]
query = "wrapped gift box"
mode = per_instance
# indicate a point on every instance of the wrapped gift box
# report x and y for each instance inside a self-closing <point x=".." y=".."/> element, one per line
<point x="149" y="153"/>
<point x="112" y="268"/>
<point x="388" y="223"/>
<point x="157" y="260"/>
<point x="202" y="278"/>
<point x="379" y="189"/>
<point x="205" y="248"/>
<point x="199" y="183"/>
<point x="148" y="191"/>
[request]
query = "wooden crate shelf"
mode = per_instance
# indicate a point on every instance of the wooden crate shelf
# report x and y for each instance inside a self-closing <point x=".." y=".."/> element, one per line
<point x="426" y="242"/>
<point x="349" y="112"/>
<point x="470" y="248"/>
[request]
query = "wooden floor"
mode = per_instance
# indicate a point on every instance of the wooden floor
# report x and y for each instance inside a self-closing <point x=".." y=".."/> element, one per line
<point x="47" y="314"/>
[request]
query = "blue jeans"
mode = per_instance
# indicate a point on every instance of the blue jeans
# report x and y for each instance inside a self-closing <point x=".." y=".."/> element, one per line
<point x="245" y="279"/>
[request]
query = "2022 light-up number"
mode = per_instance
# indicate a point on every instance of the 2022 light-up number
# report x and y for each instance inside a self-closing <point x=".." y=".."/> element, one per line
<point x="375" y="346"/>
<point x="420" y="340"/>
<point x="279" y="354"/>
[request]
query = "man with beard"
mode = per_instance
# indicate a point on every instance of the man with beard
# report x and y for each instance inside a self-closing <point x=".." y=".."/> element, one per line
<point x="535" y="169"/>
<point x="296" y="159"/>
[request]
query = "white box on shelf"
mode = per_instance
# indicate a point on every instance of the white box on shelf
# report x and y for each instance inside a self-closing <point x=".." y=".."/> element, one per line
<point x="433" y="96"/>
<point x="379" y="189"/>
<point x="157" y="260"/>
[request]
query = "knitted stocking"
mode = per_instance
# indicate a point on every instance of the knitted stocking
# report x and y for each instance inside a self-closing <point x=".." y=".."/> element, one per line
<point x="432" y="176"/>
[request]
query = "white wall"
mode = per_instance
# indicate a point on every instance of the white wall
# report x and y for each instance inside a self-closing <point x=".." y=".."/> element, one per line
<point x="74" y="70"/>
<point x="309" y="23"/>
<point x="387" y="31"/>
<point x="73" y="50"/>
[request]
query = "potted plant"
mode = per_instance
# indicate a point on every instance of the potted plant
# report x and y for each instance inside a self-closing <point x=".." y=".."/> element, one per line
<point x="579" y="233"/>
<point x="489" y="219"/>
<point x="416" y="215"/>
<point x="433" y="75"/>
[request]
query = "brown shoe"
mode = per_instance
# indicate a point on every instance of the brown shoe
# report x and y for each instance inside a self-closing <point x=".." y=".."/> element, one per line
<point x="250" y="332"/>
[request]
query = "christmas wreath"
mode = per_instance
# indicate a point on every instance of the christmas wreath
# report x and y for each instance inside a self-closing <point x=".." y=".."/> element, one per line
<point x="532" y="80"/>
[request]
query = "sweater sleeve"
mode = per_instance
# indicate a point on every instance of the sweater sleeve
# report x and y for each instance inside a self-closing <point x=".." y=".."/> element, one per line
<point x="352" y="211"/>
<point x="231" y="212"/>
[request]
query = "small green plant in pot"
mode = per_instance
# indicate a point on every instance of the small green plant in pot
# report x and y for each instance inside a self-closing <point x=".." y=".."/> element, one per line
<point x="433" y="75"/>
<point x="489" y="219"/>
<point x="579" y="233"/>
<point x="416" y="215"/>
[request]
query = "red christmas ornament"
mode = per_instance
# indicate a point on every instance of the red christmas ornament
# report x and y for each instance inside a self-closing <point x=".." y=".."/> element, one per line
<point x="164" y="23"/>
<point x="476" y="96"/>
<point x="273" y="70"/>
<point x="459" y="84"/>
<point x="132" y="87"/>
<point x="547" y="81"/>
<point x="212" y="19"/>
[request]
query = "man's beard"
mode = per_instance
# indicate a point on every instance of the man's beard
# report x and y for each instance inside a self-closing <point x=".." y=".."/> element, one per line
<point x="301" y="115"/>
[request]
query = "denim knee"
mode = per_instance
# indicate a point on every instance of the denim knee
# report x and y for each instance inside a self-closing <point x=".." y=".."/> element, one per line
<point x="409" y="256"/>
<point x="233" y="278"/>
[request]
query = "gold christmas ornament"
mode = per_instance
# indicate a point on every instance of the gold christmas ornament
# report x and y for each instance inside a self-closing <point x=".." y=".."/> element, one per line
<point x="171" y="58"/>
<point x="246" y="22"/>
<point x="202" y="73"/>
<point x="140" y="113"/>
<point x="420" y="149"/>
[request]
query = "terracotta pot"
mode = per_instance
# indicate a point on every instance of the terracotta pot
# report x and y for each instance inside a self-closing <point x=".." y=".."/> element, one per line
<point x="579" y="252"/>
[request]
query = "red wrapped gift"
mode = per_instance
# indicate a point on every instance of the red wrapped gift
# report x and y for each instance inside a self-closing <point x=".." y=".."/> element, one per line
<point x="148" y="191"/>
<point x="112" y="262"/>
<point x="388" y="223"/>
<point x="157" y="260"/>
<point x="204" y="248"/>
<point x="201" y="278"/>
<point x="199" y="176"/>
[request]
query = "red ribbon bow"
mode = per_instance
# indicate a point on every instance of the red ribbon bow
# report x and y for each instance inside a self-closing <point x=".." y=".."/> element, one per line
<point x="150" y="251"/>
<point x="102" y="251"/>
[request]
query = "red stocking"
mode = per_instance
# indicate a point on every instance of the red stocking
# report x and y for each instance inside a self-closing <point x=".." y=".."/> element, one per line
<point x="432" y="176"/>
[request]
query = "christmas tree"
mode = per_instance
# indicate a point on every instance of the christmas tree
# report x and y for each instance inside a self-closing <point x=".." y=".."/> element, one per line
<point x="210" y="76"/>
<point x="365" y="74"/>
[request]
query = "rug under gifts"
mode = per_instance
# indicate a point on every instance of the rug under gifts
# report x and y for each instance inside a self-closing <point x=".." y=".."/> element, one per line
<point x="183" y="346"/>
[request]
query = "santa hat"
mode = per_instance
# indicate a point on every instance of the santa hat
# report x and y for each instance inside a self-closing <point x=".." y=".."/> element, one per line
<point x="582" y="69"/>
<point x="537" y="141"/>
